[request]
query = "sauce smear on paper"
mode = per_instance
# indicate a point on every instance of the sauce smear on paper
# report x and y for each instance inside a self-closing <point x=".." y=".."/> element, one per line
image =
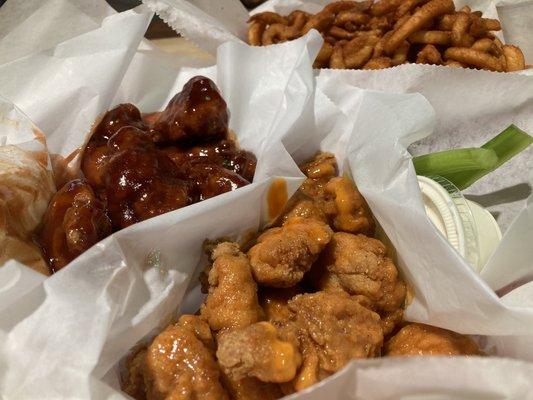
<point x="63" y="172"/>
<point x="277" y="198"/>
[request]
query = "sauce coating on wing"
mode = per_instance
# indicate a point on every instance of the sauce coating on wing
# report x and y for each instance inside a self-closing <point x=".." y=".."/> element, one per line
<point x="137" y="167"/>
<point x="197" y="114"/>
<point x="425" y="340"/>
<point x="96" y="152"/>
<point x="75" y="220"/>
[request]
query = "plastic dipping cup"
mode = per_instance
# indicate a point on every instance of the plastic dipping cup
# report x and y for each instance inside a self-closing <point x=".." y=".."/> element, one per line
<point x="469" y="227"/>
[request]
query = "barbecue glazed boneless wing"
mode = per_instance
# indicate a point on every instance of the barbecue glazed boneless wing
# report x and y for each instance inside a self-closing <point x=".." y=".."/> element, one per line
<point x="425" y="340"/>
<point x="141" y="182"/>
<point x="283" y="255"/>
<point x="97" y="153"/>
<point x="257" y="351"/>
<point x="75" y="220"/>
<point x="197" y="114"/>
<point x="232" y="298"/>
<point x="359" y="266"/>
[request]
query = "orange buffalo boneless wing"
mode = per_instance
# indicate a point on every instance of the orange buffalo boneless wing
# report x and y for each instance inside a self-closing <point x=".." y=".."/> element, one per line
<point x="386" y="33"/>
<point x="312" y="293"/>
<point x="137" y="167"/>
<point x="178" y="364"/>
<point x="419" y="339"/>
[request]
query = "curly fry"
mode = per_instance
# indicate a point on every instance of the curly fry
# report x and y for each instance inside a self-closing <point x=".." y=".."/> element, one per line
<point x="339" y="6"/>
<point x="429" y="55"/>
<point x="359" y="42"/>
<point x="378" y="63"/>
<point x="401" y="21"/>
<point x="514" y="58"/>
<point x="275" y="33"/>
<point x="424" y="14"/>
<point x="359" y="58"/>
<point x="325" y="53"/>
<point x="341" y="33"/>
<point x="321" y="22"/>
<point x="459" y="29"/>
<point x="477" y="27"/>
<point x="431" y="37"/>
<point x="446" y="22"/>
<point x="268" y="18"/>
<point x="498" y="47"/>
<point x="255" y="33"/>
<point x="455" y="64"/>
<point x="379" y="48"/>
<point x="487" y="45"/>
<point x="364" y="5"/>
<point x="384" y="7"/>
<point x="406" y="7"/>
<point x="297" y="19"/>
<point x="330" y="39"/>
<point x="466" y="9"/>
<point x="351" y="16"/>
<point x="491" y="24"/>
<point x="379" y="23"/>
<point x="503" y="61"/>
<point x="474" y="58"/>
<point x="401" y="54"/>
<point x="336" y="60"/>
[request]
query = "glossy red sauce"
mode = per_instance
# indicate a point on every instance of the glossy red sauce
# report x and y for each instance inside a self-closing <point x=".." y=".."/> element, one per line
<point x="137" y="167"/>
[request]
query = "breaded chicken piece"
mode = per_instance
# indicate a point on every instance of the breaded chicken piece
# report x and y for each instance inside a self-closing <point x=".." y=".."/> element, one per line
<point x="335" y="198"/>
<point x="258" y="351"/>
<point x="322" y="166"/>
<point x="177" y="365"/>
<point x="349" y="211"/>
<point x="305" y="208"/>
<point x="275" y="302"/>
<point x="390" y="320"/>
<point x="425" y="340"/>
<point x="359" y="266"/>
<point x="133" y="379"/>
<point x="232" y="298"/>
<point x="283" y="255"/>
<point x="333" y="328"/>
<point x="251" y="389"/>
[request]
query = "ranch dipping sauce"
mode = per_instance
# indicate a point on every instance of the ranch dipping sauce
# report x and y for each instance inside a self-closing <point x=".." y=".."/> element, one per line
<point x="469" y="227"/>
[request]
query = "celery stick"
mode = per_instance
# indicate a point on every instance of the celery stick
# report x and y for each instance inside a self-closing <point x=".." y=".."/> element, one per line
<point x="508" y="144"/>
<point x="447" y="163"/>
<point x="463" y="167"/>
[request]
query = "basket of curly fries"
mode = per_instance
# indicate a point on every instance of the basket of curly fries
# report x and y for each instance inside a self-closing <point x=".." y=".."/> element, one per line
<point x="258" y="228"/>
<point x="382" y="34"/>
<point x="377" y="34"/>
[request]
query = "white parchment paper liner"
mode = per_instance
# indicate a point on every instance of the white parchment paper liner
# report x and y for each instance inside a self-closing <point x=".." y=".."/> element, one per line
<point x="62" y="337"/>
